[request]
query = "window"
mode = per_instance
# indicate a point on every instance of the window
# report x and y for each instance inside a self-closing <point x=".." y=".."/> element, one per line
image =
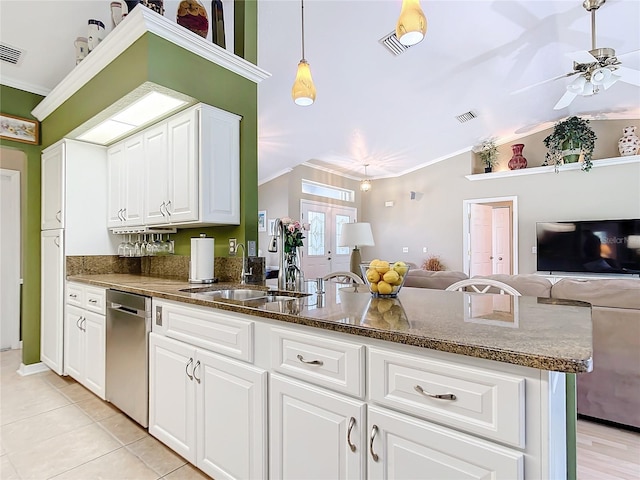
<point x="327" y="191"/>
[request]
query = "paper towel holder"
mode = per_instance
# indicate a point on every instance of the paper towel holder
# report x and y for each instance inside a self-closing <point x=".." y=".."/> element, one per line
<point x="201" y="268"/>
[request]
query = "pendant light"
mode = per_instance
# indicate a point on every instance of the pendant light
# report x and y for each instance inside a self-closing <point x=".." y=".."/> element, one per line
<point x="365" y="184"/>
<point x="303" y="90"/>
<point x="412" y="24"/>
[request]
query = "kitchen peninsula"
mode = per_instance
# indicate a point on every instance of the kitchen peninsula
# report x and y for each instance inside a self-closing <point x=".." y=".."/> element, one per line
<point x="348" y="386"/>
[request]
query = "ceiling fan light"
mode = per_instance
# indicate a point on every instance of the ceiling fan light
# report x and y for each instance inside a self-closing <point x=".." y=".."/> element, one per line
<point x="412" y="24"/>
<point x="600" y="76"/>
<point x="577" y="86"/>
<point x="588" y="90"/>
<point x="303" y="90"/>
<point x="611" y="80"/>
<point x="365" y="185"/>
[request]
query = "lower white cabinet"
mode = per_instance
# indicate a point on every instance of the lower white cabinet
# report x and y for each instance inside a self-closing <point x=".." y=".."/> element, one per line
<point x="315" y="433"/>
<point x="209" y="409"/>
<point x="52" y="299"/>
<point x="403" y="447"/>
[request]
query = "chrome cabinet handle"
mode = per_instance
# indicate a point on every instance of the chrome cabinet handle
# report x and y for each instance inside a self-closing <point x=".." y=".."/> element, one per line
<point x="78" y="322"/>
<point x="499" y="258"/>
<point x="82" y="323"/>
<point x="167" y="207"/>
<point x="124" y="214"/>
<point x="310" y="362"/>
<point x="120" y="214"/>
<point x="186" y="369"/>
<point x="374" y="432"/>
<point x="352" y="423"/>
<point x="58" y="213"/>
<point x="194" y="371"/>
<point x="162" y="211"/>
<point x="92" y="300"/>
<point x="73" y="295"/>
<point x="440" y="396"/>
<point x="57" y="241"/>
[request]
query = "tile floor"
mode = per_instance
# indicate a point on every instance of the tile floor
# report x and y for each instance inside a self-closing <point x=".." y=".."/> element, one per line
<point x="52" y="427"/>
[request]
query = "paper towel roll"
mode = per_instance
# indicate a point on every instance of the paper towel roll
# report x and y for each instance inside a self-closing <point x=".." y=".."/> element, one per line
<point x="201" y="266"/>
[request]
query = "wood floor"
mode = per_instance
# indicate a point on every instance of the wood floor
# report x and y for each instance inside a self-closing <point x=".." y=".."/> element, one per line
<point x="607" y="453"/>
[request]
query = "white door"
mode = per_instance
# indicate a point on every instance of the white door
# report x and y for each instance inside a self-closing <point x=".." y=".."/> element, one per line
<point x="10" y="256"/>
<point x="52" y="299"/>
<point x="321" y="254"/>
<point x="481" y="231"/>
<point x="156" y="171"/>
<point x="311" y="430"/>
<point x="231" y="417"/>
<point x="501" y="240"/>
<point x="52" y="215"/>
<point x="183" y="182"/>
<point x="407" y="448"/>
<point x="74" y="342"/>
<point x="94" y="329"/>
<point x="172" y="400"/>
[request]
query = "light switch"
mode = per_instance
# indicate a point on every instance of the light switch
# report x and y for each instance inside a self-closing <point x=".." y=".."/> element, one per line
<point x="405" y="249"/>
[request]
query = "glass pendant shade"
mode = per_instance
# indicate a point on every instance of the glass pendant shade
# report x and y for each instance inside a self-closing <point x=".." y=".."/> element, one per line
<point x="303" y="91"/>
<point x="365" y="185"/>
<point x="412" y="24"/>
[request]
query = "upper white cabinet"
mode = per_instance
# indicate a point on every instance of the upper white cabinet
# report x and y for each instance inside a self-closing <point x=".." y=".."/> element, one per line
<point x="184" y="170"/>
<point x="53" y="187"/>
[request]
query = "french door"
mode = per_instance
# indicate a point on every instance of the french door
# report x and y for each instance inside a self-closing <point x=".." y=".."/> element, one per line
<point x="321" y="252"/>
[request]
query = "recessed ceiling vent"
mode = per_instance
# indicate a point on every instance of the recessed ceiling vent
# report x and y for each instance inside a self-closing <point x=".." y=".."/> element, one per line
<point x="465" y="117"/>
<point x="10" y="54"/>
<point x="391" y="43"/>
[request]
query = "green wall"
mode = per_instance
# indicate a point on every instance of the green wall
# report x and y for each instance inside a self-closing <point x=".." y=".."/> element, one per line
<point x="20" y="103"/>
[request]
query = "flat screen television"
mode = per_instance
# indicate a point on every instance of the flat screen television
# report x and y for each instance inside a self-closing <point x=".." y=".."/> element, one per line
<point x="592" y="246"/>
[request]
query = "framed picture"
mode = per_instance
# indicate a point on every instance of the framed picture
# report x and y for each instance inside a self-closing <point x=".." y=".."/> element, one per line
<point x="272" y="226"/>
<point x="19" y="129"/>
<point x="262" y="220"/>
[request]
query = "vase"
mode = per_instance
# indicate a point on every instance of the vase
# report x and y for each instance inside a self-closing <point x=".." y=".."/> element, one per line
<point x="517" y="160"/>
<point x="629" y="142"/>
<point x="571" y="151"/>
<point x="155" y="5"/>
<point x="96" y="33"/>
<point x="193" y="16"/>
<point x="82" y="49"/>
<point x="488" y="169"/>
<point x="217" y="23"/>
<point x="294" y="279"/>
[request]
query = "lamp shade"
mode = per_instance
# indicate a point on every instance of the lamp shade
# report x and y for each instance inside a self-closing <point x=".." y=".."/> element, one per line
<point x="356" y="235"/>
<point x="303" y="91"/>
<point x="412" y="24"/>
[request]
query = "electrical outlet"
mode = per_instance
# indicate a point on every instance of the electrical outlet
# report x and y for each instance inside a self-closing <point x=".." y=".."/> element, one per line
<point x="405" y="249"/>
<point x="232" y="246"/>
<point x="534" y="250"/>
<point x="424" y="249"/>
<point x="251" y="248"/>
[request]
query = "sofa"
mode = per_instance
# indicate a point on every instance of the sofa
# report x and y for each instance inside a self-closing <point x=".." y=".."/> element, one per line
<point x="611" y="392"/>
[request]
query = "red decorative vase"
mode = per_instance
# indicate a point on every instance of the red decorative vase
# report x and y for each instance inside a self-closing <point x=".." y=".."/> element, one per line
<point x="517" y="161"/>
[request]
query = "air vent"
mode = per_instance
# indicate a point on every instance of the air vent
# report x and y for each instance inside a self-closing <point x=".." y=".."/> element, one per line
<point x="391" y="43"/>
<point x="10" y="54"/>
<point x="465" y="117"/>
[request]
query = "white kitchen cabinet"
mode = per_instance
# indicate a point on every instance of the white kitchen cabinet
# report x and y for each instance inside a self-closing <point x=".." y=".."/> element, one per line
<point x="52" y="215"/>
<point x="84" y="336"/>
<point x="51" y="299"/>
<point x="208" y="408"/>
<point x="157" y="174"/>
<point x="404" y="447"/>
<point x="315" y="433"/>
<point x="125" y="164"/>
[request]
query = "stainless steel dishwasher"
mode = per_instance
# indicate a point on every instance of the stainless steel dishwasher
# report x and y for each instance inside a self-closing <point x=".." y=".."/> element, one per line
<point x="127" y="362"/>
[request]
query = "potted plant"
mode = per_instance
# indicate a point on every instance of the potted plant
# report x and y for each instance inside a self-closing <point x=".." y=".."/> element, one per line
<point x="488" y="153"/>
<point x="570" y="138"/>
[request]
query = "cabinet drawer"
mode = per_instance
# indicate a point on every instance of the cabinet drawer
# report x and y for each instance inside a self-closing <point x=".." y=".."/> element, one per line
<point x="94" y="299"/>
<point x="207" y="328"/>
<point x="487" y="402"/>
<point x="74" y="294"/>
<point x="326" y="362"/>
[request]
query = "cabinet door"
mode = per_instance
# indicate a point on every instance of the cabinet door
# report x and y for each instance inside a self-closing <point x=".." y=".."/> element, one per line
<point x="134" y="180"/>
<point x="411" y="448"/>
<point x="220" y="166"/>
<point x="94" y="367"/>
<point x="116" y="187"/>
<point x="52" y="215"/>
<point x="310" y="432"/>
<point x="184" y="167"/>
<point x="52" y="299"/>
<point x="172" y="395"/>
<point x="74" y="342"/>
<point x="232" y="417"/>
<point x="156" y="174"/>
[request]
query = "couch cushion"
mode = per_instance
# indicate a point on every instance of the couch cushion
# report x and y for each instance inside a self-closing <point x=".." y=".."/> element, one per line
<point x="436" y="280"/>
<point x="527" y="284"/>
<point x="617" y="293"/>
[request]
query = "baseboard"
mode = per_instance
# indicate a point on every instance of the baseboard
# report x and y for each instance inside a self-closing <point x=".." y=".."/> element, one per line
<point x="32" y="369"/>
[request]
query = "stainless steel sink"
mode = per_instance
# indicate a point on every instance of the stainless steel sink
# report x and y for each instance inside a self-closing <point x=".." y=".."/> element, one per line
<point x="248" y="295"/>
<point x="236" y="294"/>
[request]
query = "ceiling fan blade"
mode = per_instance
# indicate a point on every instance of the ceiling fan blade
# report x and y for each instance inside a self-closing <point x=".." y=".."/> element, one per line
<point x="582" y="57"/>
<point x="628" y="53"/>
<point x="565" y="100"/>
<point x="515" y="92"/>
<point x="628" y="75"/>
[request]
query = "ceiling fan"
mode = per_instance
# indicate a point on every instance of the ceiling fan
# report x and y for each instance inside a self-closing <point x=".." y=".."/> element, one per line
<point x="597" y="68"/>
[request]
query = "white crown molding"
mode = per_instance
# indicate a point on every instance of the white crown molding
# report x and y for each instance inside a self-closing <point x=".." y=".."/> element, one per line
<point x="274" y="176"/>
<point x="27" y="87"/>
<point x="134" y="26"/>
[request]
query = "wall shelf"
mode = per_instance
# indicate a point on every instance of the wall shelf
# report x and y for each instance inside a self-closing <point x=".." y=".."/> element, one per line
<point x="605" y="162"/>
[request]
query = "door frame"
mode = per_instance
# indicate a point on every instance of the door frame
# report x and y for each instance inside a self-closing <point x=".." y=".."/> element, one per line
<point x="466" y="230"/>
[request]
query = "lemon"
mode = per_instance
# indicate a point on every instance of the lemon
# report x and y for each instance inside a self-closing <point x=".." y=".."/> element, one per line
<point x="373" y="287"/>
<point x="384" y="288"/>
<point x="373" y="263"/>
<point x="391" y="277"/>
<point x="401" y="267"/>
<point x="373" y="276"/>
<point x="385" y="304"/>
<point x="382" y="267"/>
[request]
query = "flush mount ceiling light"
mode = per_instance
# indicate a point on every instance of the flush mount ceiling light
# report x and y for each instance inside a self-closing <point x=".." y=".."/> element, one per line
<point x="412" y="24"/>
<point x="365" y="184"/>
<point x="303" y="90"/>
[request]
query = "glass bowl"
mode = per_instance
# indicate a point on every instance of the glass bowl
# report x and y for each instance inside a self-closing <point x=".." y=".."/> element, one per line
<point x="384" y="279"/>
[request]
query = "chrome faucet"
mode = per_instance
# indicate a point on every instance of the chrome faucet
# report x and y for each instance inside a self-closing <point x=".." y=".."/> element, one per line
<point x="244" y="273"/>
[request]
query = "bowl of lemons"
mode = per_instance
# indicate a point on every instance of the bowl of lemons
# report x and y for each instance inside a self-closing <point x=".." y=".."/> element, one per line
<point x="385" y="279"/>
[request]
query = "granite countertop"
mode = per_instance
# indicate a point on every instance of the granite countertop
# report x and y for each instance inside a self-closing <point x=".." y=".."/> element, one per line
<point x="542" y="333"/>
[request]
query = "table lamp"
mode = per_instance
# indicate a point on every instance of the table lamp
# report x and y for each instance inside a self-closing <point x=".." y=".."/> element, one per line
<point x="356" y="235"/>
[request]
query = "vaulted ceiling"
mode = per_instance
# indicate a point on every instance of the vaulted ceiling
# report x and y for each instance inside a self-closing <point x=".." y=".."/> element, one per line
<point x="394" y="113"/>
